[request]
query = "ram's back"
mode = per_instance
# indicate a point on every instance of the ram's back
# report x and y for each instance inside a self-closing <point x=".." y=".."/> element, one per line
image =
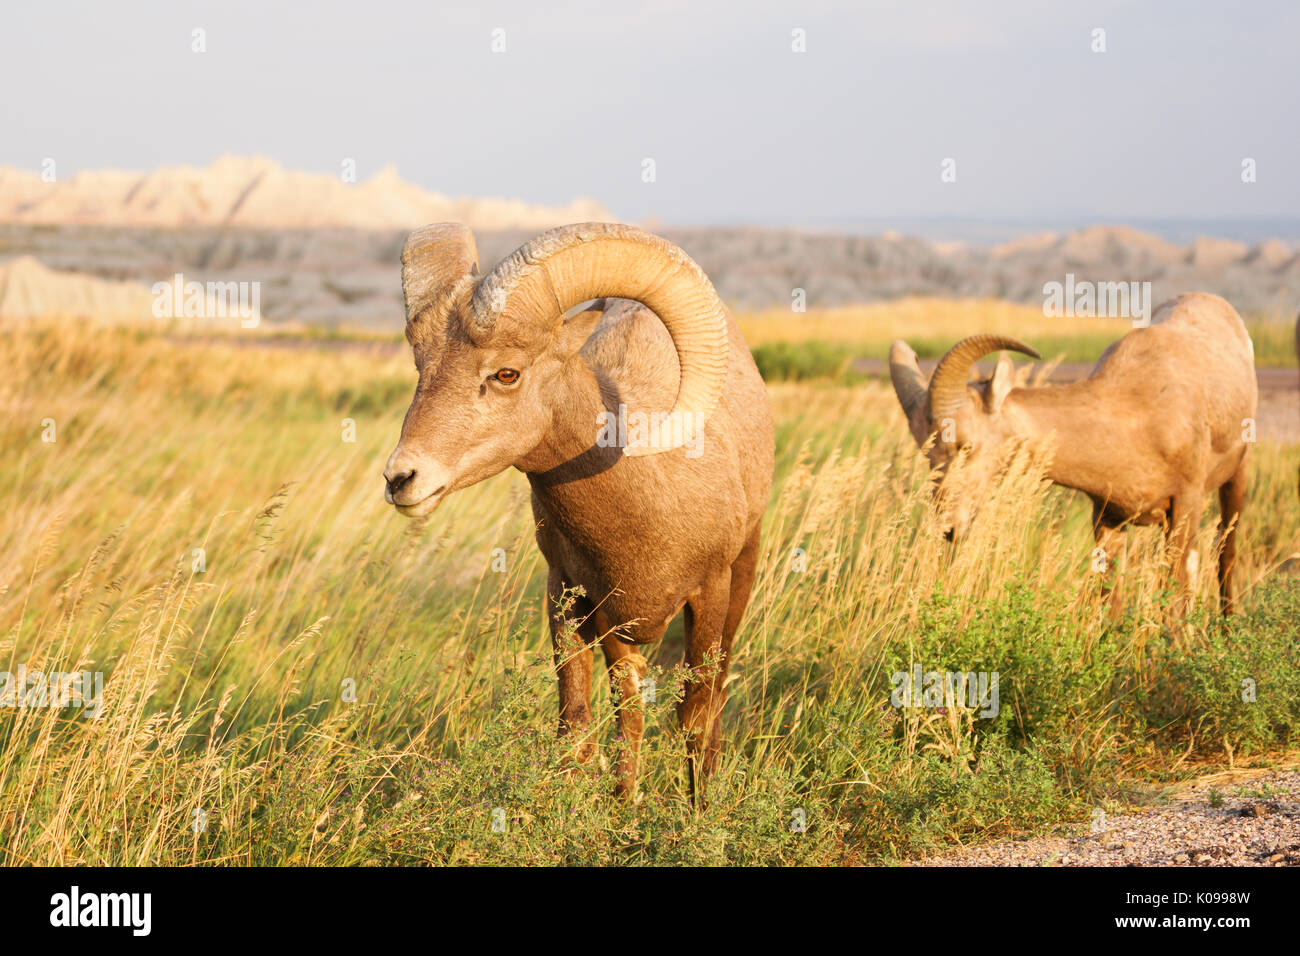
<point x="1193" y="364"/>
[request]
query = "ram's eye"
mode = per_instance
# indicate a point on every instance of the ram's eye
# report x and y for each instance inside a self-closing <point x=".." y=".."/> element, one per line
<point x="506" y="376"/>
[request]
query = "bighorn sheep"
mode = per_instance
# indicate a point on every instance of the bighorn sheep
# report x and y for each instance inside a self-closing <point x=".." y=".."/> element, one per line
<point x="644" y="430"/>
<point x="1160" y="422"/>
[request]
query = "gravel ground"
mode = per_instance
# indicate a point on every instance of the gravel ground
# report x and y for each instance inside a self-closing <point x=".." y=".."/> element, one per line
<point x="1279" y="415"/>
<point x="1256" y="824"/>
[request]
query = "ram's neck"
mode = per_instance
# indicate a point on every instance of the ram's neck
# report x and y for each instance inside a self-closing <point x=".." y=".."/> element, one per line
<point x="1087" y="436"/>
<point x="570" y="452"/>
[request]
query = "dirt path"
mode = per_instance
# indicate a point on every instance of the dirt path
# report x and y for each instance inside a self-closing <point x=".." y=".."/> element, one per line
<point x="1236" y="818"/>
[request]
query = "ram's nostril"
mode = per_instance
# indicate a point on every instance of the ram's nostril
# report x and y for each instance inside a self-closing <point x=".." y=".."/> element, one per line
<point x="397" y="482"/>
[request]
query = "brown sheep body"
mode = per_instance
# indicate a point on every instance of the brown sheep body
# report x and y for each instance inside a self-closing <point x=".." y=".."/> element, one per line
<point x="1165" y="418"/>
<point x="643" y="531"/>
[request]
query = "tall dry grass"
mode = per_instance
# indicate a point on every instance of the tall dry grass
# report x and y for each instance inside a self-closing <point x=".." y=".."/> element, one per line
<point x="295" y="674"/>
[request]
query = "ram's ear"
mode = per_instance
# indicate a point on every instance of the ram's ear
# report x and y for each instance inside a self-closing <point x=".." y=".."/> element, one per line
<point x="1003" y="381"/>
<point x="577" y="326"/>
<point x="435" y="259"/>
<point x="911" y="389"/>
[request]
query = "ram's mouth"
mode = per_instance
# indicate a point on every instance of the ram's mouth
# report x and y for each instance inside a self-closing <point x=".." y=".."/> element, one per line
<point x="422" y="507"/>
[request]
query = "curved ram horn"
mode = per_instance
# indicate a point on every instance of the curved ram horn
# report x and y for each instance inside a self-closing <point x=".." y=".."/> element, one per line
<point x="435" y="260"/>
<point x="537" y="283"/>
<point x="948" y="383"/>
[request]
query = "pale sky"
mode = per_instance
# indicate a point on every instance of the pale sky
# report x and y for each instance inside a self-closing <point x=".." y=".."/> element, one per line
<point x="741" y="128"/>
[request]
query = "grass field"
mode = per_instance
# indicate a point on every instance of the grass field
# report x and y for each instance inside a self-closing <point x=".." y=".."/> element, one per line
<point x="295" y="674"/>
<point x="823" y="343"/>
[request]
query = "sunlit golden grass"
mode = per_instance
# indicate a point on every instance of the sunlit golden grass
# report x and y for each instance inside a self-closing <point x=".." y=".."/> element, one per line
<point x="947" y="319"/>
<point x="934" y="325"/>
<point x="295" y="674"/>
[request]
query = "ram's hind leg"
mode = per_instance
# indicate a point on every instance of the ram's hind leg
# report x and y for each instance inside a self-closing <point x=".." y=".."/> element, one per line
<point x="573" y="635"/>
<point x="706" y="660"/>
<point x="742" y="584"/>
<point x="1184" y="522"/>
<point x="1232" y="495"/>
<point x="712" y="618"/>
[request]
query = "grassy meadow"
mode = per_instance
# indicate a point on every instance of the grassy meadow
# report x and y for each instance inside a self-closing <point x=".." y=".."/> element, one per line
<point x="821" y="344"/>
<point x="294" y="674"/>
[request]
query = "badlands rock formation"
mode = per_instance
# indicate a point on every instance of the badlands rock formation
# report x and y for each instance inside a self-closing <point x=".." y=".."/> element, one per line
<point x="29" y="290"/>
<point x="258" y="192"/>
<point x="339" y="276"/>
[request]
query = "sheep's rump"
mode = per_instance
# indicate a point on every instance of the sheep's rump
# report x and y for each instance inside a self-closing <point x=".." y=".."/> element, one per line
<point x="1193" y="337"/>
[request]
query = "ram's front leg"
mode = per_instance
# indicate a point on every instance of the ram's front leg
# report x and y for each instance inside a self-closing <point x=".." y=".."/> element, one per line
<point x="626" y="672"/>
<point x="573" y="635"/>
<point x="1108" y="558"/>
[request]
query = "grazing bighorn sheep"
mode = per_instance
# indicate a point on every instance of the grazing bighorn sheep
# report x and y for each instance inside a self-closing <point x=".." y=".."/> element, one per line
<point x="645" y="518"/>
<point x="1158" y="424"/>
